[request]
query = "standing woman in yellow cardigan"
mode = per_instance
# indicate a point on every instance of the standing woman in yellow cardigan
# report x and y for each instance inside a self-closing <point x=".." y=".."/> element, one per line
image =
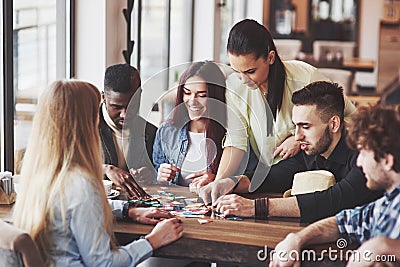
<point x="260" y="91"/>
<point x="62" y="204"/>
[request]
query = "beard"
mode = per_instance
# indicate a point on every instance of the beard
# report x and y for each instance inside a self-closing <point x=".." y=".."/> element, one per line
<point x="383" y="183"/>
<point x="323" y="143"/>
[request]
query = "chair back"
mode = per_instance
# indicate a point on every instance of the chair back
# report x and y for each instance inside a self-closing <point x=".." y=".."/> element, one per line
<point x="17" y="248"/>
<point x="342" y="77"/>
<point x="333" y="50"/>
<point x="287" y="48"/>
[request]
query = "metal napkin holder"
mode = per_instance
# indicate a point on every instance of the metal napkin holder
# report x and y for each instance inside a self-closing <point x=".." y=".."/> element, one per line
<point x="7" y="193"/>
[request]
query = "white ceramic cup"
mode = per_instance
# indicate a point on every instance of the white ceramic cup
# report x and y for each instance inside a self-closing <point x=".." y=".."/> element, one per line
<point x="107" y="186"/>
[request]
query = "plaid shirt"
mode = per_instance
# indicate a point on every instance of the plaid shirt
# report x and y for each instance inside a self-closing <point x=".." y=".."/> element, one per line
<point x="379" y="218"/>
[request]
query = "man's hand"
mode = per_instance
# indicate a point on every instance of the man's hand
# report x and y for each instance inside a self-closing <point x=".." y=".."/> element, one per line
<point x="373" y="250"/>
<point x="284" y="255"/>
<point x="148" y="215"/>
<point x="289" y="148"/>
<point x="142" y="175"/>
<point x="212" y="191"/>
<point x="166" y="172"/>
<point x="200" y="179"/>
<point x="124" y="180"/>
<point x="235" y="205"/>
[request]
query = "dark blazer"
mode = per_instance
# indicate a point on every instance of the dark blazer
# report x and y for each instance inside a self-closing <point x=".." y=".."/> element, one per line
<point x="140" y="148"/>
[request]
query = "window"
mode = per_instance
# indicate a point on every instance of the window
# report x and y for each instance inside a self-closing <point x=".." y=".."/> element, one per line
<point x="2" y="87"/>
<point x="227" y="14"/>
<point x="163" y="39"/>
<point x="38" y="58"/>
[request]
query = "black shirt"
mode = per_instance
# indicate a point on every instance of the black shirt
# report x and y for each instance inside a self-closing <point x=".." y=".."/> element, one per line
<point x="349" y="191"/>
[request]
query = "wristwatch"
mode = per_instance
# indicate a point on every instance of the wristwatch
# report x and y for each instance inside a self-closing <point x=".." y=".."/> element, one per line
<point x="125" y="210"/>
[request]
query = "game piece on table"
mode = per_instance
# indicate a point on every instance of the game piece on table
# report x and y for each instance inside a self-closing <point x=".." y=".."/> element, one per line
<point x="204" y="221"/>
<point x="234" y="218"/>
<point x="186" y="214"/>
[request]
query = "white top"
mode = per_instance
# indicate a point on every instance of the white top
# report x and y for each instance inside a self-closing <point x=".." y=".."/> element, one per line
<point x="196" y="157"/>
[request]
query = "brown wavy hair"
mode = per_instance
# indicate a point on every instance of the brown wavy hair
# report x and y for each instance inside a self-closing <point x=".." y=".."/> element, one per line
<point x="216" y="87"/>
<point x="377" y="128"/>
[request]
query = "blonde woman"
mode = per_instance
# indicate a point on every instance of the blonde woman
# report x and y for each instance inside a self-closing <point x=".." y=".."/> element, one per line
<point x="62" y="204"/>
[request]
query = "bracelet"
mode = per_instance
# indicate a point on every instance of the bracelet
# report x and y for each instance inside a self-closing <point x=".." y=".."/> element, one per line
<point x="261" y="208"/>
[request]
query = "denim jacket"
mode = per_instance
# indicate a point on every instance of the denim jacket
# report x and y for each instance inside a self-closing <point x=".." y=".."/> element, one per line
<point x="170" y="146"/>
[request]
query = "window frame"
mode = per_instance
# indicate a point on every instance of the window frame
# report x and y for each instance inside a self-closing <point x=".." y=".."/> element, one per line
<point x="65" y="53"/>
<point x="7" y="159"/>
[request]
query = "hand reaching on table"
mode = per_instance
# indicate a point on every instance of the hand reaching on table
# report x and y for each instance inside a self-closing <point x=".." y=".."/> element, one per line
<point x="235" y="205"/>
<point x="200" y="179"/>
<point x="148" y="215"/>
<point x="212" y="191"/>
<point x="124" y="180"/>
<point x="165" y="232"/>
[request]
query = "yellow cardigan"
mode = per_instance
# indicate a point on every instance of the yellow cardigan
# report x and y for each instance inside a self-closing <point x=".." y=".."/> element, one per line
<point x="247" y="114"/>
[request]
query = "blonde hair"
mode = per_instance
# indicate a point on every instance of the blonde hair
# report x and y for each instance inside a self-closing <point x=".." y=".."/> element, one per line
<point x="64" y="137"/>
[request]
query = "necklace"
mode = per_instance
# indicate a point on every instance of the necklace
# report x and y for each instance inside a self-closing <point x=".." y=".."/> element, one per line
<point x="264" y="93"/>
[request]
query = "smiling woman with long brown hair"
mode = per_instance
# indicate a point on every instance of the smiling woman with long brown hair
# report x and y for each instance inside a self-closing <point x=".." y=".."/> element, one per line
<point x="188" y="146"/>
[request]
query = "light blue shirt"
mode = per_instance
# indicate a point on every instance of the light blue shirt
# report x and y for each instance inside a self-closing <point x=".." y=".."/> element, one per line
<point x="83" y="240"/>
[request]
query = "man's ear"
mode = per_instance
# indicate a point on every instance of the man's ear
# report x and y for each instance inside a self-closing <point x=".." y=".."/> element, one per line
<point x="388" y="162"/>
<point x="103" y="97"/>
<point x="335" y="124"/>
<point x="271" y="57"/>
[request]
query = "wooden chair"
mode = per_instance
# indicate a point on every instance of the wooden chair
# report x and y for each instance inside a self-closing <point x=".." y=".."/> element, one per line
<point x="342" y="77"/>
<point x="17" y="248"/>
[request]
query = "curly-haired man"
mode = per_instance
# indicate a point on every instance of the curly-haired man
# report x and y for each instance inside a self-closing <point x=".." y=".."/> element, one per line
<point x="374" y="132"/>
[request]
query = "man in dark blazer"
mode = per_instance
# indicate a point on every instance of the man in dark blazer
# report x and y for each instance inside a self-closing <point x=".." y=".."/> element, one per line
<point x="127" y="138"/>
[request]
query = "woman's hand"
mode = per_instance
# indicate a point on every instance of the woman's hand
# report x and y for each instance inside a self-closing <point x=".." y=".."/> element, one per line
<point x="166" y="172"/>
<point x="165" y="232"/>
<point x="200" y="179"/>
<point x="211" y="192"/>
<point x="148" y="215"/>
<point x="289" y="148"/>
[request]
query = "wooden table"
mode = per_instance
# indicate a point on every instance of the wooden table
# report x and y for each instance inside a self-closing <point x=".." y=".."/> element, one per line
<point x="352" y="64"/>
<point x="236" y="242"/>
<point x="360" y="100"/>
<point x="358" y="64"/>
<point x="220" y="241"/>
